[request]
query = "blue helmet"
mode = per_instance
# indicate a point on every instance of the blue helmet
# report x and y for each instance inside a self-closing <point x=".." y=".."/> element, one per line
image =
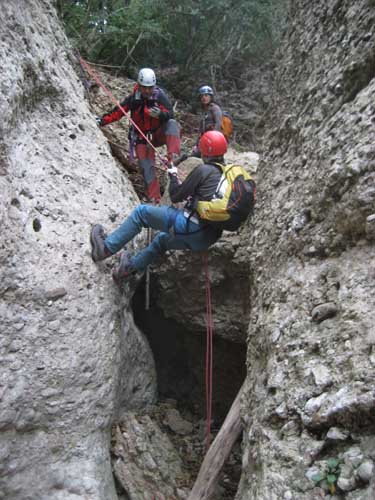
<point x="206" y="89"/>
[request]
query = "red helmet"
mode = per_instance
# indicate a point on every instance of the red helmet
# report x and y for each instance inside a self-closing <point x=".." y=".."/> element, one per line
<point x="213" y="143"/>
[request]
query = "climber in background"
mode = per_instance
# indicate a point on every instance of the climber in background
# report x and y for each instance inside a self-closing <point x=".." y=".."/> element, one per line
<point x="180" y="229"/>
<point x="211" y="116"/>
<point x="151" y="110"/>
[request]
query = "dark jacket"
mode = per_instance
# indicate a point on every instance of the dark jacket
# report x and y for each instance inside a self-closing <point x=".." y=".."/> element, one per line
<point x="200" y="184"/>
<point x="139" y="110"/>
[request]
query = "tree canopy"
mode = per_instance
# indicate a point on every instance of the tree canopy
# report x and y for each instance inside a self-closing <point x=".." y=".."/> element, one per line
<point x="206" y="36"/>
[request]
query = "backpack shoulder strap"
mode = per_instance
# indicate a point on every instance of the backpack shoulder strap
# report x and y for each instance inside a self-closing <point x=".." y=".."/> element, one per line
<point x="220" y="166"/>
<point x="157" y="92"/>
<point x="225" y="168"/>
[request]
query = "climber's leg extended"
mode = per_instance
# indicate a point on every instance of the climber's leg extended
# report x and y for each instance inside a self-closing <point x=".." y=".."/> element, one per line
<point x="146" y="161"/>
<point x="169" y="134"/>
<point x="156" y="217"/>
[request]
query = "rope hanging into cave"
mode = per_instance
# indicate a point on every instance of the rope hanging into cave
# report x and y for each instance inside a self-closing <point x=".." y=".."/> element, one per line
<point x="209" y="351"/>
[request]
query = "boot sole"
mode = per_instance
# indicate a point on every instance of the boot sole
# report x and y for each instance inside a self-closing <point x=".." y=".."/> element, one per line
<point x="94" y="247"/>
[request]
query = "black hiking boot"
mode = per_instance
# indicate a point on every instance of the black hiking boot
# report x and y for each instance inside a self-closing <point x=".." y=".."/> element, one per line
<point x="98" y="249"/>
<point x="124" y="270"/>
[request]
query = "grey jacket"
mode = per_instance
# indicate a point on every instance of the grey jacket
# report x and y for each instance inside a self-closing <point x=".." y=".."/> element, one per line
<point x="211" y="119"/>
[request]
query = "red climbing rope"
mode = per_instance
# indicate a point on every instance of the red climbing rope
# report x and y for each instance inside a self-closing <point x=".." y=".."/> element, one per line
<point x="91" y="72"/>
<point x="209" y="351"/>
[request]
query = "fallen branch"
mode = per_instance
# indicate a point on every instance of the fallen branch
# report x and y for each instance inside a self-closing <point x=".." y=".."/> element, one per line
<point x="129" y="54"/>
<point x="103" y="65"/>
<point x="217" y="454"/>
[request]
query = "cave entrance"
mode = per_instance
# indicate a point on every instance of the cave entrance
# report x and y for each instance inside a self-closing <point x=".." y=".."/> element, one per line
<point x="180" y="361"/>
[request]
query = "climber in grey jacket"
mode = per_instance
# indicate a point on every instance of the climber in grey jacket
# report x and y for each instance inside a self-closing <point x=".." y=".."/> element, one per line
<point x="211" y="117"/>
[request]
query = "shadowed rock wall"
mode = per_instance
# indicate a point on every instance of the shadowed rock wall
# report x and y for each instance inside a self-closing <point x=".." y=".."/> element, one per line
<point x="71" y="356"/>
<point x="311" y="341"/>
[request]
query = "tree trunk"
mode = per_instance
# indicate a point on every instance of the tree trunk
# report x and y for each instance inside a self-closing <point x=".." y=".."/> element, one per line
<point x="216" y="456"/>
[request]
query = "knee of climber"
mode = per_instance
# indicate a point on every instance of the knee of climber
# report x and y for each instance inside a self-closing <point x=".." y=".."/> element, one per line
<point x="140" y="214"/>
<point x="173" y="143"/>
<point x="172" y="128"/>
<point x="148" y="170"/>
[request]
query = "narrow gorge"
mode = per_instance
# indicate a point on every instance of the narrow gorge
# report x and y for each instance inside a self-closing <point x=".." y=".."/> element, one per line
<point x="83" y="365"/>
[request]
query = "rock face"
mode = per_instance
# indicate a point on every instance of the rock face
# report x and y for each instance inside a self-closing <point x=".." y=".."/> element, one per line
<point x="296" y="283"/>
<point x="183" y="298"/>
<point x="146" y="463"/>
<point x="310" y="385"/>
<point x="71" y="357"/>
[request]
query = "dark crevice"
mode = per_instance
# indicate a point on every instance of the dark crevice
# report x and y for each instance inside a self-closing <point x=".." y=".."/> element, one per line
<point x="358" y="77"/>
<point x="180" y="361"/>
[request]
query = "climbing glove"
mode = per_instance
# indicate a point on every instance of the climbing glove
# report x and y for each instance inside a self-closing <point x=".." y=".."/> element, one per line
<point x="155" y="112"/>
<point x="99" y="121"/>
<point x="172" y="170"/>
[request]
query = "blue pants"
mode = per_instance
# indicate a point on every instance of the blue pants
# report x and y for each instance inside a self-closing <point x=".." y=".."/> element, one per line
<point x="175" y="233"/>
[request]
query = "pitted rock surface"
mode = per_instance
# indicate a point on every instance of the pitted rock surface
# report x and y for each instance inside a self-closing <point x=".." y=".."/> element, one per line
<point x="296" y="282"/>
<point x="72" y="358"/>
<point x="311" y="333"/>
<point x="146" y="462"/>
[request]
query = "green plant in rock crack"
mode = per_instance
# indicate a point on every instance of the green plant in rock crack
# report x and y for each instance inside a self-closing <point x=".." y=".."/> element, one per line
<point x="327" y="479"/>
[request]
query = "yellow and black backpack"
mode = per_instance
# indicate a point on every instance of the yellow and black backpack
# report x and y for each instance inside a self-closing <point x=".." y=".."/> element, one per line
<point x="233" y="200"/>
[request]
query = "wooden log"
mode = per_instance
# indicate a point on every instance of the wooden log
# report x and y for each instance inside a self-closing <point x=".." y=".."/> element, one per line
<point x="217" y="454"/>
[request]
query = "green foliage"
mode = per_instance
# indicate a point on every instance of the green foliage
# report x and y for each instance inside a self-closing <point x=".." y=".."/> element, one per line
<point x="211" y="36"/>
<point x="328" y="477"/>
<point x="109" y="30"/>
<point x="332" y="463"/>
<point x="318" y="477"/>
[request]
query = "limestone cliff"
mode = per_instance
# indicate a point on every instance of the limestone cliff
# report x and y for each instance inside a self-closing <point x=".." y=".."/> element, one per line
<point x="71" y="356"/>
<point x="296" y="283"/>
<point x="310" y="385"/>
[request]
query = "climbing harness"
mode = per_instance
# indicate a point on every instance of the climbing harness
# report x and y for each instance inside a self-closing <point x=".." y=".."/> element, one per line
<point x="134" y="127"/>
<point x="132" y="143"/>
<point x="163" y="160"/>
<point x="209" y="351"/>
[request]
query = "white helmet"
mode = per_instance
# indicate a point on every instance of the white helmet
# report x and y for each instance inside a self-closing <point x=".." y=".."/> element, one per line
<point x="146" y="77"/>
